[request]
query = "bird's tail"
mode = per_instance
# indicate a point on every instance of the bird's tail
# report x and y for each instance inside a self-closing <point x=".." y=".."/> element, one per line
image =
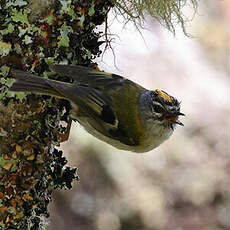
<point x="27" y="82"/>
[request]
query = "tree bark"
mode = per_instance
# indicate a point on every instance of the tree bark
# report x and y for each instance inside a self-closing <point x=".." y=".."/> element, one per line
<point x="32" y="36"/>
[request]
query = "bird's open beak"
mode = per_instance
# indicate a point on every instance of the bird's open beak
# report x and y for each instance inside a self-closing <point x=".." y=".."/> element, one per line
<point x="173" y="117"/>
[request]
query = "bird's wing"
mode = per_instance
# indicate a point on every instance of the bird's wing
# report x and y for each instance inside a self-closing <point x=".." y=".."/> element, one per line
<point x="90" y="77"/>
<point x="115" y="88"/>
<point x="97" y="106"/>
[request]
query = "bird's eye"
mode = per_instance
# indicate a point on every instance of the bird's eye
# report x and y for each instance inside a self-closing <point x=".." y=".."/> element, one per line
<point x="158" y="109"/>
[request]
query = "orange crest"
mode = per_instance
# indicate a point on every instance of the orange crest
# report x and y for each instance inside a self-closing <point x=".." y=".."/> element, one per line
<point x="164" y="95"/>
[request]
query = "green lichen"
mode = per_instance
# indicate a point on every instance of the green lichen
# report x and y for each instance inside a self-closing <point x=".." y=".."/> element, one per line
<point x="20" y="16"/>
<point x="65" y="30"/>
<point x="5" y="83"/>
<point x="91" y="10"/>
<point x="8" y="30"/>
<point x="81" y="20"/>
<point x="5" y="48"/>
<point x="32" y="30"/>
<point x="50" y="18"/>
<point x="21" y="96"/>
<point x="16" y="3"/>
<point x="67" y="8"/>
<point x="4" y="70"/>
<point x="87" y="54"/>
<point x="27" y="40"/>
<point x="2" y="225"/>
<point x="50" y="60"/>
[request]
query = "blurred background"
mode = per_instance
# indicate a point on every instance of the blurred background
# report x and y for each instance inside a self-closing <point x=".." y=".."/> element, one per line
<point x="183" y="184"/>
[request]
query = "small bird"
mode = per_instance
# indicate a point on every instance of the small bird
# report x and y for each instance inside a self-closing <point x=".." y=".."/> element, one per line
<point x="110" y="107"/>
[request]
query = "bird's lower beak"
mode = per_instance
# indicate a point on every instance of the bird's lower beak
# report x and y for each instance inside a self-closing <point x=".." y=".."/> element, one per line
<point x="179" y="123"/>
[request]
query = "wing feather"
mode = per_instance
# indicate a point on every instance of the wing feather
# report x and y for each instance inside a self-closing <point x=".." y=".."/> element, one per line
<point x="89" y="77"/>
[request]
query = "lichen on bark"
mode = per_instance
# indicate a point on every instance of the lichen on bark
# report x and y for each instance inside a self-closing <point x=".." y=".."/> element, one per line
<point x="33" y="36"/>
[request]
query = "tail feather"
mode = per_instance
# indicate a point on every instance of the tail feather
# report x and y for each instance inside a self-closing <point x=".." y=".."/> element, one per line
<point x="27" y="82"/>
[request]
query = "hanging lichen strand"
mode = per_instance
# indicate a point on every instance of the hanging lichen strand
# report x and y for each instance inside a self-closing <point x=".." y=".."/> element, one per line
<point x="168" y="13"/>
<point x="34" y="34"/>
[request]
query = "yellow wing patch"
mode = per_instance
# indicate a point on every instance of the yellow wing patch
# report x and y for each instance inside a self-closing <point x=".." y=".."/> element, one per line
<point x="164" y="95"/>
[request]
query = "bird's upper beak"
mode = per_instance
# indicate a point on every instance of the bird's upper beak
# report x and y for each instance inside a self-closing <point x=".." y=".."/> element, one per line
<point x="173" y="117"/>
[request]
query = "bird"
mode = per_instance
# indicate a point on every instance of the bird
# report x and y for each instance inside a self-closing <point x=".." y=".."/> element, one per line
<point x="110" y="107"/>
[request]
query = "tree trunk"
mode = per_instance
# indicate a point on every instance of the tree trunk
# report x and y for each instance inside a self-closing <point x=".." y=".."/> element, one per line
<point x="34" y="34"/>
